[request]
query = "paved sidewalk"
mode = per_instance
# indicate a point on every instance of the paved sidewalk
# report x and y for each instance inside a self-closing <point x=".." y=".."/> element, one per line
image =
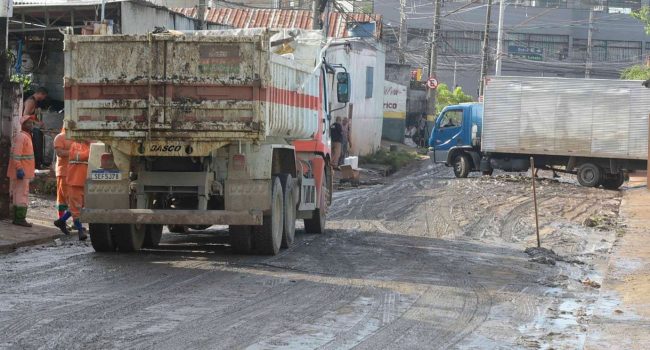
<point x="621" y="317"/>
<point x="13" y="237"/>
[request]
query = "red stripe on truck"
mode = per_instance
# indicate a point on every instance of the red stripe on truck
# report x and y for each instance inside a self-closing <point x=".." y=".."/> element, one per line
<point x="190" y="93"/>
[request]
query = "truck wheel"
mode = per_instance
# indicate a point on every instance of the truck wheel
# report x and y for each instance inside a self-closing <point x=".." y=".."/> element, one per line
<point x="240" y="239"/>
<point x="129" y="238"/>
<point x="589" y="175"/>
<point x="101" y="238"/>
<point x="152" y="236"/>
<point x="615" y="182"/>
<point x="268" y="237"/>
<point x="462" y="165"/>
<point x="177" y="228"/>
<point x="289" y="199"/>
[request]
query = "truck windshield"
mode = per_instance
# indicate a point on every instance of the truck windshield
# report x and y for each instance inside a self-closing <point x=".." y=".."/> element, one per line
<point x="452" y="119"/>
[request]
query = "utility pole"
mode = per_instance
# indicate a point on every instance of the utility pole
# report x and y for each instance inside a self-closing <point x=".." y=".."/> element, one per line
<point x="484" y="55"/>
<point x="317" y="8"/>
<point x="200" y="14"/>
<point x="455" y="74"/>
<point x="502" y="8"/>
<point x="589" y="44"/>
<point x="403" y="32"/>
<point x="433" y="63"/>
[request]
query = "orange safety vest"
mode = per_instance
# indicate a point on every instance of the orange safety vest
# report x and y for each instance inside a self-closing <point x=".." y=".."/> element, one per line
<point x="22" y="156"/>
<point x="78" y="164"/>
<point x="60" y="142"/>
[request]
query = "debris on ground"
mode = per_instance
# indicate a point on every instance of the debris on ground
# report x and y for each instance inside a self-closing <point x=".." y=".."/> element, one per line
<point x="601" y="222"/>
<point x="547" y="256"/>
<point x="543" y="255"/>
<point x="590" y="283"/>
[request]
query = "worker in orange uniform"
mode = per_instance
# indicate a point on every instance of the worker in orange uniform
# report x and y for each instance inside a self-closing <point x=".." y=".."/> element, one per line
<point x="21" y="170"/>
<point x="75" y="181"/>
<point x="62" y="149"/>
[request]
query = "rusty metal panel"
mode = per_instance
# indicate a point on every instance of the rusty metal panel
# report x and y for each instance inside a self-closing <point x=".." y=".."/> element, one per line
<point x="568" y="117"/>
<point x="242" y="194"/>
<point x="176" y="217"/>
<point x="210" y="86"/>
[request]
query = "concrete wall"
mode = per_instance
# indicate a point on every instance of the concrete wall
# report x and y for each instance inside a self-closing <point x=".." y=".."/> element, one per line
<point x="365" y="114"/>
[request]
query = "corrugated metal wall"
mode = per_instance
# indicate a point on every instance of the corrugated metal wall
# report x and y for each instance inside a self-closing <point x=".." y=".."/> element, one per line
<point x="571" y="117"/>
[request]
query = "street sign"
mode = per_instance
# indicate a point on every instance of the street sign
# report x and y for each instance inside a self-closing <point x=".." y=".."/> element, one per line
<point x="528" y="53"/>
<point x="432" y="83"/>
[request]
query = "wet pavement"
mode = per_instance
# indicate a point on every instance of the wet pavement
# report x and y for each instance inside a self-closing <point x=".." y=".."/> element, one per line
<point x="423" y="261"/>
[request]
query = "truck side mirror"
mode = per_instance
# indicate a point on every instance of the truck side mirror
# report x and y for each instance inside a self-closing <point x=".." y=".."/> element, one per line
<point x="343" y="87"/>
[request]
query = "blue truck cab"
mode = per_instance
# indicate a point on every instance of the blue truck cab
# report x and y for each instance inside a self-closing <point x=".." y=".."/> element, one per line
<point x="456" y="138"/>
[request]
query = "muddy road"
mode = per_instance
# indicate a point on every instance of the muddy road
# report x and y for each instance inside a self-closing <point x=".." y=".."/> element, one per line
<point x="425" y="261"/>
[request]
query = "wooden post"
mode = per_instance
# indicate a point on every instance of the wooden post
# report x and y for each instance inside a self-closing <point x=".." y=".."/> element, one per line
<point x="532" y="173"/>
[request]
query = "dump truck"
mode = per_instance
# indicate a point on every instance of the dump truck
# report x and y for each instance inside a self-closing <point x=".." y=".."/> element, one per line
<point x="596" y="129"/>
<point x="193" y="129"/>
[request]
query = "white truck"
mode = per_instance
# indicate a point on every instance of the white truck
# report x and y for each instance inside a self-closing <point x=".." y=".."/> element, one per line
<point x="594" y="128"/>
<point x="203" y="128"/>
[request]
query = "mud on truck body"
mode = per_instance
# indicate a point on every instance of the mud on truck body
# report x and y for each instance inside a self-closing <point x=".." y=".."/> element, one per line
<point x="201" y="128"/>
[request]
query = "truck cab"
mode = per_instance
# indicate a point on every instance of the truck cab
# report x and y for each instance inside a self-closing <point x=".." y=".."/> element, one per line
<point x="456" y="137"/>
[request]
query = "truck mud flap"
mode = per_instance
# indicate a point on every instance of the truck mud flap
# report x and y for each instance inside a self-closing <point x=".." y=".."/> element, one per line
<point x="175" y="217"/>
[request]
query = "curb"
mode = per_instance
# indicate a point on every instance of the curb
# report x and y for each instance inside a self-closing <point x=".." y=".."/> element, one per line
<point x="11" y="247"/>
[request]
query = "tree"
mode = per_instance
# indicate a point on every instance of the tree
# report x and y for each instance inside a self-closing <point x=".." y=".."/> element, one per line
<point x="636" y="72"/>
<point x="445" y="97"/>
<point x="643" y="15"/>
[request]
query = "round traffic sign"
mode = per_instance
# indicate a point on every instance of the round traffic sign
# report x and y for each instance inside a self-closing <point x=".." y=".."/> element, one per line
<point x="432" y="83"/>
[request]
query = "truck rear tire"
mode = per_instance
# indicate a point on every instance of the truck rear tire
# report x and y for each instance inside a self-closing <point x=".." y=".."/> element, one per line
<point x="615" y="182"/>
<point x="129" y="238"/>
<point x="152" y="236"/>
<point x="462" y="164"/>
<point x="289" y="199"/>
<point x="101" y="238"/>
<point x="589" y="175"/>
<point x="268" y="237"/>
<point x="240" y="239"/>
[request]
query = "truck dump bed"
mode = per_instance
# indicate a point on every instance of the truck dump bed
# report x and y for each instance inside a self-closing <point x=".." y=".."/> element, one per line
<point x="204" y="86"/>
<point x="568" y="117"/>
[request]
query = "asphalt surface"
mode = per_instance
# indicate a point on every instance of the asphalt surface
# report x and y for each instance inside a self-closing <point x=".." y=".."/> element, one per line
<point x="425" y="261"/>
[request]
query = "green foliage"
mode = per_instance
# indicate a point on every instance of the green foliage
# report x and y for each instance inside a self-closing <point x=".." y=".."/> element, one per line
<point x="636" y="72"/>
<point x="24" y="79"/>
<point x="643" y="15"/>
<point x="395" y="160"/>
<point x="446" y="97"/>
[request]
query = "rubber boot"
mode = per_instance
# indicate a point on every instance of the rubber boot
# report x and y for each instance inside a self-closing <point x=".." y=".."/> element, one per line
<point x="20" y="216"/>
<point x="60" y="223"/>
<point x="82" y="235"/>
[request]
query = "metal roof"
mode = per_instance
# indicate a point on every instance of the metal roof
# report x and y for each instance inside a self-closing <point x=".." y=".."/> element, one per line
<point x="277" y="18"/>
<point x="29" y="3"/>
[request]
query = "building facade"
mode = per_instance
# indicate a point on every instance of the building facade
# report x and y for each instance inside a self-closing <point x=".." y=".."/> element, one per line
<point x="541" y="38"/>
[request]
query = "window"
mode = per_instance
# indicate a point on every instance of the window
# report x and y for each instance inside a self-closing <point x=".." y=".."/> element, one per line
<point x="370" y="74"/>
<point x="452" y="119"/>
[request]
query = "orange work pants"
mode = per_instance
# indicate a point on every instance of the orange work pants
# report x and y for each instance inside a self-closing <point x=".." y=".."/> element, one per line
<point x="75" y="200"/>
<point x="19" y="190"/>
<point x="61" y="196"/>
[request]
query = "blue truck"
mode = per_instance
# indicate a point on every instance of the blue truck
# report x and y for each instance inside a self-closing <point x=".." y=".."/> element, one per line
<point x="594" y="128"/>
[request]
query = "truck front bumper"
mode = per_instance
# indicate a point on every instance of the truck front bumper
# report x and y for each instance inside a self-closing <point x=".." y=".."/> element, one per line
<point x="171" y="217"/>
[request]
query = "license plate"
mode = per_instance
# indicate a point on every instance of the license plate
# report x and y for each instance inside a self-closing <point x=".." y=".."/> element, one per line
<point x="104" y="175"/>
